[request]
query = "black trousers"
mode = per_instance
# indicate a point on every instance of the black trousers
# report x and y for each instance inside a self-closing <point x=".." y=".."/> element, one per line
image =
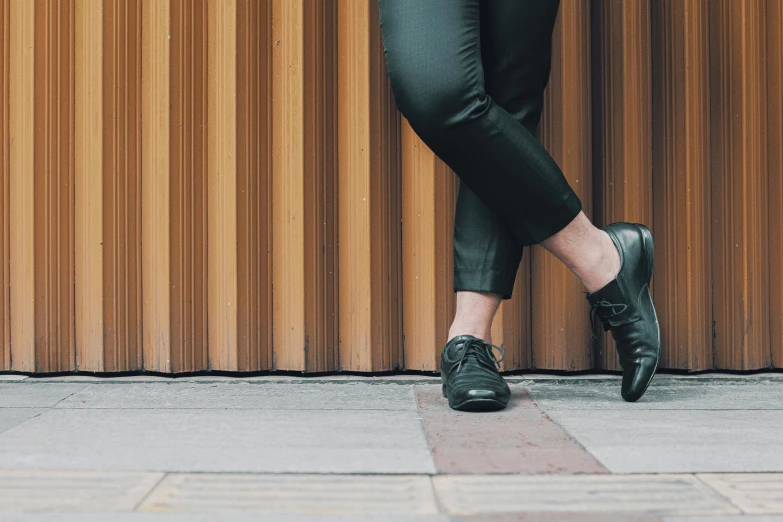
<point x="469" y="76"/>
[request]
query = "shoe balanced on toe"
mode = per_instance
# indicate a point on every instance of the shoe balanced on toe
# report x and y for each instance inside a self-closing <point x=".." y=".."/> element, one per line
<point x="625" y="307"/>
<point x="469" y="371"/>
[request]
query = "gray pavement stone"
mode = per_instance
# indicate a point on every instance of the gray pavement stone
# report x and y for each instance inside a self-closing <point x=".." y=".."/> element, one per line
<point x="337" y="441"/>
<point x="12" y="417"/>
<point x="735" y="518"/>
<point x="293" y="494"/>
<point x="34" y="395"/>
<point x="70" y="490"/>
<point x="243" y="395"/>
<point x="759" y="493"/>
<point x="657" y="494"/>
<point x="671" y="441"/>
<point x="13" y="377"/>
<point x="138" y="516"/>
<point x="669" y="395"/>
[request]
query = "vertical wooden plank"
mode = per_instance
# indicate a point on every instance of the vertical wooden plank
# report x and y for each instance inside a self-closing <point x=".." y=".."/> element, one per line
<point x="53" y="171"/>
<point x="429" y="196"/>
<point x="739" y="190"/>
<point x="304" y="204"/>
<point x="561" y="327"/>
<point x="511" y="325"/>
<point x="89" y="185"/>
<point x="222" y="175"/>
<point x="188" y="185"/>
<point x="254" y="198"/>
<point x="622" y="126"/>
<point x="156" y="241"/>
<point x="21" y="131"/>
<point x="775" y="173"/>
<point x="121" y="180"/>
<point x="368" y="191"/>
<point x="681" y="183"/>
<point x="5" y="174"/>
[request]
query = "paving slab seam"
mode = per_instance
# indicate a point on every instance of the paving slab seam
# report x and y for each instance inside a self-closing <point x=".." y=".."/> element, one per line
<point x="151" y="490"/>
<point x="573" y="438"/>
<point x="719" y="493"/>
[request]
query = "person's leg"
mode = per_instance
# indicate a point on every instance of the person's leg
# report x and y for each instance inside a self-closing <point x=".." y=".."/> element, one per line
<point x="434" y="63"/>
<point x="516" y="54"/>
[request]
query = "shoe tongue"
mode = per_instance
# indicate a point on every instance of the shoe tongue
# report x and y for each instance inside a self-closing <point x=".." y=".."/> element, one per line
<point x="610" y="292"/>
<point x="624" y="312"/>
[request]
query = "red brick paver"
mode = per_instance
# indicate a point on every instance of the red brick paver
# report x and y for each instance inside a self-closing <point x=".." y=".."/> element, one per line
<point x="519" y="439"/>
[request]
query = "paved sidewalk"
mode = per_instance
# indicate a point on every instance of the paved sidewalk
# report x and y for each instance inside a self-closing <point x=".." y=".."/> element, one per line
<point x="698" y="449"/>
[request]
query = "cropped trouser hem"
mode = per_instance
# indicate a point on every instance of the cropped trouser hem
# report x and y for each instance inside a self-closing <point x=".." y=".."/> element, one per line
<point x="480" y="277"/>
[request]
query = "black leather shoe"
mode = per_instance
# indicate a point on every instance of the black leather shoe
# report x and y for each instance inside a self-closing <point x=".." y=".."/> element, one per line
<point x="469" y="370"/>
<point x="625" y="307"/>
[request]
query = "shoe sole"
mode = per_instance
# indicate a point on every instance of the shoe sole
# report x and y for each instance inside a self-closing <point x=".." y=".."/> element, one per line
<point x="474" y="404"/>
<point x="649" y="249"/>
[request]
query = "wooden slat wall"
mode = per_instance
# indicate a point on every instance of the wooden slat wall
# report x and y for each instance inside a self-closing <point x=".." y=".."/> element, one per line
<point x="622" y="126"/>
<point x="775" y="166"/>
<point x="739" y="192"/>
<point x="681" y="187"/>
<point x="561" y="328"/>
<point x="5" y="318"/>
<point x="194" y="185"/>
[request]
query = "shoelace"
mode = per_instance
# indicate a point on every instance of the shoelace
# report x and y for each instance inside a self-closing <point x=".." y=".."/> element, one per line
<point x="594" y="312"/>
<point x="477" y="347"/>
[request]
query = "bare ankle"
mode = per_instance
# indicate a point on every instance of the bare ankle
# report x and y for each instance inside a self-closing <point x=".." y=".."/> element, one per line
<point x="606" y="268"/>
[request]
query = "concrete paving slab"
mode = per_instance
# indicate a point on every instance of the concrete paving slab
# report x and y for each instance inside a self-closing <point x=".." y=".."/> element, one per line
<point x="12" y="417"/>
<point x="337" y="441"/>
<point x="671" y="395"/>
<point x="35" y="395"/>
<point x="735" y="518"/>
<point x="13" y="377"/>
<point x="67" y="491"/>
<point x="657" y="494"/>
<point x="663" y="441"/>
<point x="518" y="439"/>
<point x="758" y="493"/>
<point x="293" y="494"/>
<point x="141" y="516"/>
<point x="561" y="517"/>
<point x="243" y="395"/>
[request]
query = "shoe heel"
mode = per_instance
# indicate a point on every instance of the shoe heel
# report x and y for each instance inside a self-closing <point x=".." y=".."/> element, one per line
<point x="443" y="390"/>
<point x="649" y="248"/>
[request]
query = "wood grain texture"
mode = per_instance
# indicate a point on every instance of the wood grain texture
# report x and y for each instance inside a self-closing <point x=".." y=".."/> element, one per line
<point x="254" y="184"/>
<point x="429" y="197"/>
<point x="53" y="186"/>
<point x="622" y="126"/>
<point x="89" y="110"/>
<point x="739" y="190"/>
<point x="681" y="182"/>
<point x="222" y="179"/>
<point x="775" y="175"/>
<point x="5" y="170"/>
<point x="21" y="201"/>
<point x="369" y="196"/>
<point x="511" y="325"/>
<point x="305" y="301"/>
<point x="561" y="326"/>
<point x="156" y="184"/>
<point x="175" y="176"/>
<point x="188" y="186"/>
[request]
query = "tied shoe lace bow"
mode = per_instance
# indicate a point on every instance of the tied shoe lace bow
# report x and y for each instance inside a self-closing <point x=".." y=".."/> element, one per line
<point x="479" y="348"/>
<point x="594" y="312"/>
